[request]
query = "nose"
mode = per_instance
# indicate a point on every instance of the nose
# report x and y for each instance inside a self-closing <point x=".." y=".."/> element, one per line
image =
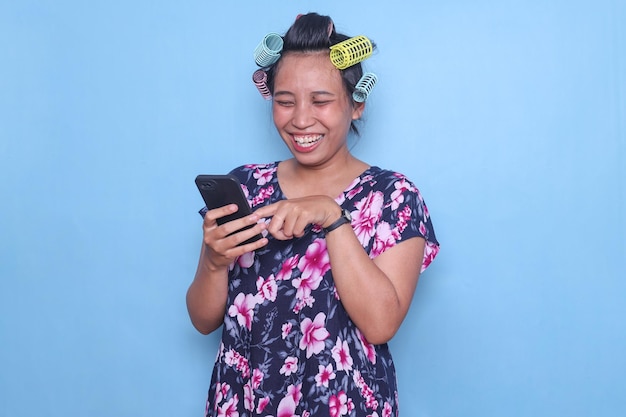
<point x="302" y="116"/>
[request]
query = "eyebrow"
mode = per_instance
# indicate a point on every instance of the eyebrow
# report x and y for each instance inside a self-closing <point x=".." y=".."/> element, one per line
<point x="314" y="93"/>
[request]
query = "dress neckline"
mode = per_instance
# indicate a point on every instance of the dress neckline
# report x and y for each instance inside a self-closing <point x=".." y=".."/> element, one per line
<point x="366" y="171"/>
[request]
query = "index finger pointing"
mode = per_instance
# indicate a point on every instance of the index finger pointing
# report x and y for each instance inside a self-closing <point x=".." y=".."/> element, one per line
<point x="266" y="211"/>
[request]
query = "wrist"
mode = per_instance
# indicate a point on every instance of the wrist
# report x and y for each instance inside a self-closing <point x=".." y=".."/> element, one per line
<point x="344" y="218"/>
<point x="337" y="212"/>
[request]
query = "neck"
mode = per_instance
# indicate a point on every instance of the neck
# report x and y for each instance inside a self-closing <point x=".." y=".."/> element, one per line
<point x="299" y="180"/>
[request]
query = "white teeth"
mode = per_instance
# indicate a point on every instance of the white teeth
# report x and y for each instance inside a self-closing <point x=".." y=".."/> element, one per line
<point x="307" y="140"/>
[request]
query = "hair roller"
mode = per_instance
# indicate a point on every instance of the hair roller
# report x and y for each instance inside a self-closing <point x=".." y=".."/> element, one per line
<point x="364" y="87"/>
<point x="260" y="80"/>
<point x="351" y="51"/>
<point x="269" y="49"/>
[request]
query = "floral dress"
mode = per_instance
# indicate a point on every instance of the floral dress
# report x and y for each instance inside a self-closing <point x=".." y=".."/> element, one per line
<point x="288" y="346"/>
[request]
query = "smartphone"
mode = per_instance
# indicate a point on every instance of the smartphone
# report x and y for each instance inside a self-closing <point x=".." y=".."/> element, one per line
<point x="221" y="190"/>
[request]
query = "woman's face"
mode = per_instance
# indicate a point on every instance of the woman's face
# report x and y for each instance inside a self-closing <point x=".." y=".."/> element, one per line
<point x="311" y="109"/>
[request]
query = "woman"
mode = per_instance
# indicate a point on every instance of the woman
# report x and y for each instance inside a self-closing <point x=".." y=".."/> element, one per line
<point x="307" y="311"/>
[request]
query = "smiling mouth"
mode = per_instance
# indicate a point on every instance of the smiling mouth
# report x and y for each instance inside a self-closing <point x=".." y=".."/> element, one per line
<point x="307" y="140"/>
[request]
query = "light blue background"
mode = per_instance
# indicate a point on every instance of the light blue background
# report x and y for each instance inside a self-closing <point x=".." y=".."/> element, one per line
<point x="510" y="116"/>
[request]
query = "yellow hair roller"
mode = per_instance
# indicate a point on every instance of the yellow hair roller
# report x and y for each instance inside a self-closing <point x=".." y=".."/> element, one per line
<point x="351" y="51"/>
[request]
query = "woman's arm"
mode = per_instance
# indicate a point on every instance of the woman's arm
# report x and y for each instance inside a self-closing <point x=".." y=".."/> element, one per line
<point x="207" y="294"/>
<point x="375" y="293"/>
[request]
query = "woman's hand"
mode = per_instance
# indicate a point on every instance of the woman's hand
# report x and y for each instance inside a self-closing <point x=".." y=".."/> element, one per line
<point x="222" y="242"/>
<point x="207" y="294"/>
<point x="289" y="218"/>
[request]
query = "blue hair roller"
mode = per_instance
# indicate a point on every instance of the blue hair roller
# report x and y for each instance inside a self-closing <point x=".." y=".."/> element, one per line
<point x="269" y="49"/>
<point x="364" y="87"/>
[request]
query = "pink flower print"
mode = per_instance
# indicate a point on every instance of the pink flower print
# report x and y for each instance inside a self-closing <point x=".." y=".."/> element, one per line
<point x="230" y="357"/>
<point x="286" y="407"/>
<point x="324" y="375"/>
<point x="263" y="402"/>
<point x="350" y="405"/>
<point x="353" y="184"/>
<point x="364" y="219"/>
<point x="397" y="197"/>
<point x="423" y="229"/>
<point x="262" y="195"/>
<point x="244" y="367"/>
<point x="313" y="265"/>
<point x="430" y="251"/>
<point x="354" y="192"/>
<point x="404" y="216"/>
<point x="341" y="355"/>
<point x="290" y="366"/>
<point x="286" y="329"/>
<point x="368" y="348"/>
<point x="243" y="309"/>
<point x="315" y="261"/>
<point x="248" y="396"/>
<point x="307" y="300"/>
<point x="229" y="409"/>
<point x="313" y="334"/>
<point x="384" y="239"/>
<point x="338" y="404"/>
<point x="263" y="176"/>
<point x="295" y="391"/>
<point x="246" y="193"/>
<point x="221" y="390"/>
<point x="218" y="392"/>
<point x="220" y="351"/>
<point x="234" y="359"/>
<point x="367" y="178"/>
<point x="287" y="268"/>
<point x="370" y="400"/>
<point x="366" y="392"/>
<point x="257" y="378"/>
<point x="386" y="409"/>
<point x="340" y="199"/>
<point x="246" y="260"/>
<point x="374" y="414"/>
<point x="267" y="288"/>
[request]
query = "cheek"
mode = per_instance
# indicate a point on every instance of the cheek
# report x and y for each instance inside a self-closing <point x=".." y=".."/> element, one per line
<point x="280" y="115"/>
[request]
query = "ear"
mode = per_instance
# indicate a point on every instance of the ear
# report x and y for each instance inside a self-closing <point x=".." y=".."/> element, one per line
<point x="357" y="110"/>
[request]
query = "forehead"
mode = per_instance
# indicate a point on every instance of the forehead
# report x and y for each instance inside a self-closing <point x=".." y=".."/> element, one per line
<point x="307" y="69"/>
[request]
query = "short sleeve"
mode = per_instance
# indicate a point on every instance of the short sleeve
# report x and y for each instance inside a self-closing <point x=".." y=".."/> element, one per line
<point x="403" y="215"/>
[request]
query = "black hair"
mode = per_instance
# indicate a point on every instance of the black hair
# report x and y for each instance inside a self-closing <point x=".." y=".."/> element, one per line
<point x="313" y="33"/>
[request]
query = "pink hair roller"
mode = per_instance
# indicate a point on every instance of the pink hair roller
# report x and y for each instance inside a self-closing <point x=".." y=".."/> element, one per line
<point x="260" y="80"/>
<point x="364" y="87"/>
